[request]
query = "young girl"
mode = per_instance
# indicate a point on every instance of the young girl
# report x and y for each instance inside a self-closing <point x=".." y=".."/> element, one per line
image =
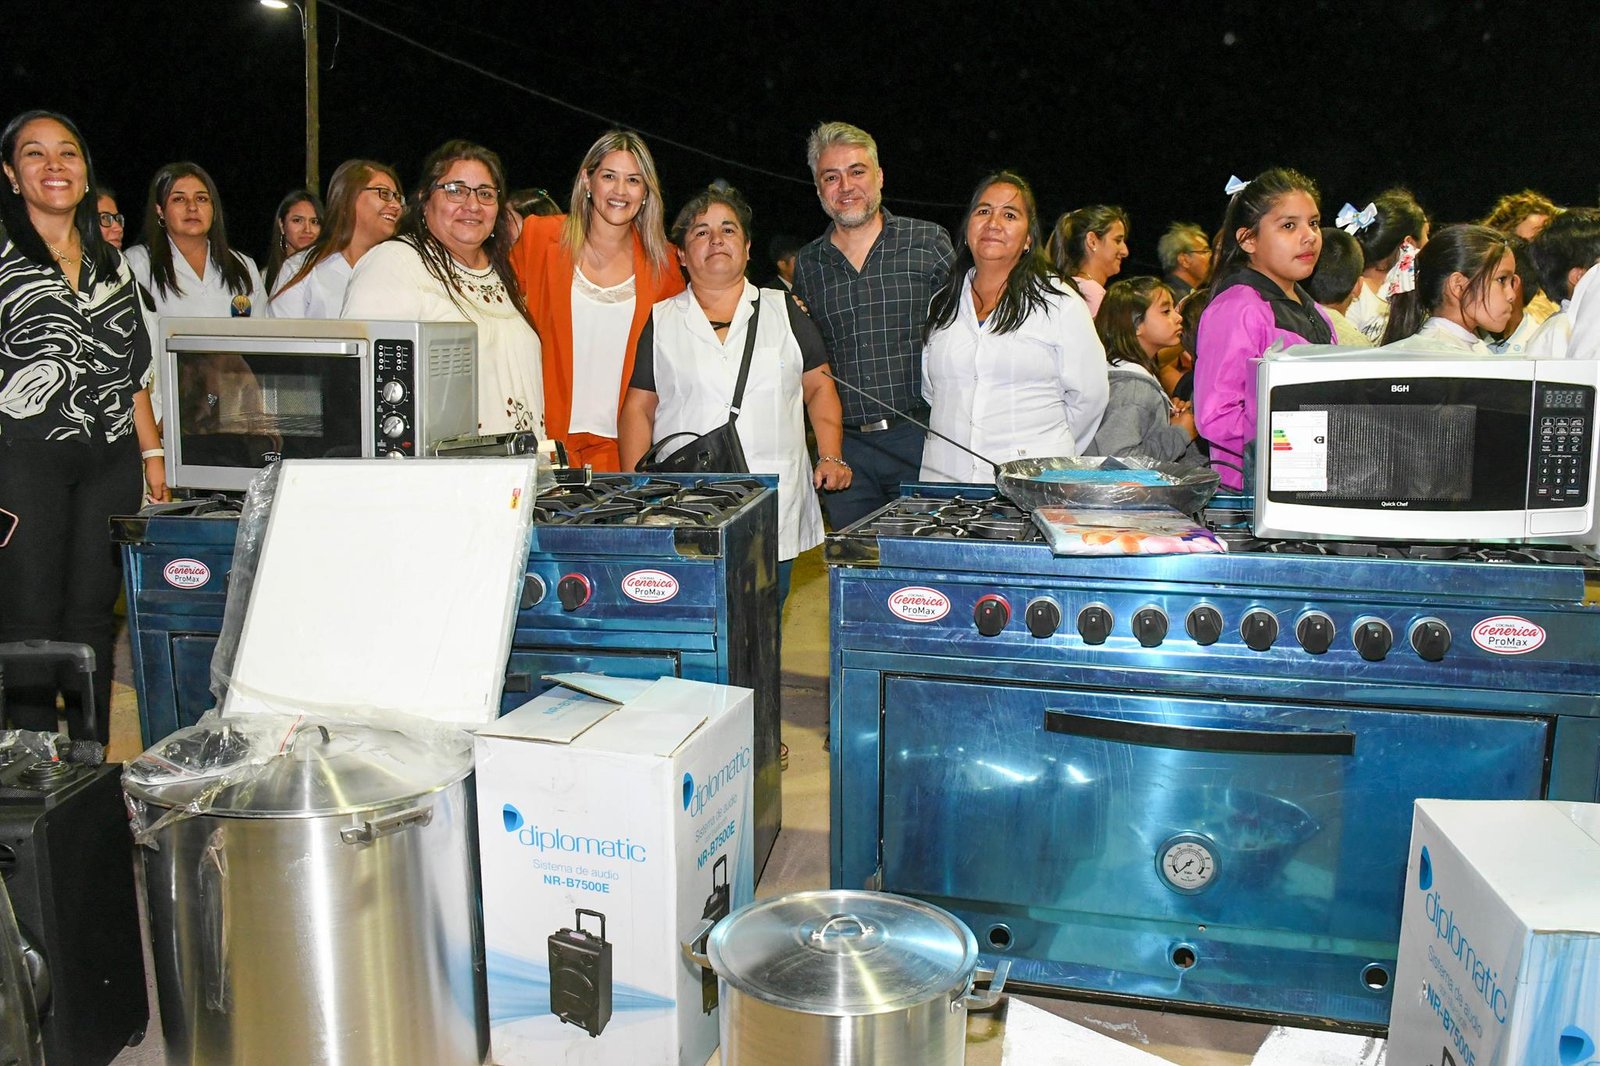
<point x="1137" y="320"/>
<point x="1271" y="237"/>
<point x="1389" y="244"/>
<point x="1466" y="282"/>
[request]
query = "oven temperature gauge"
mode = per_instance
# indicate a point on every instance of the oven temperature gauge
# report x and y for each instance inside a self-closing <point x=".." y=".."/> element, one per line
<point x="1188" y="862"/>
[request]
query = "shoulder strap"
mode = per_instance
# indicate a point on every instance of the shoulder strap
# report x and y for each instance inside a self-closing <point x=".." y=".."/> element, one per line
<point x="749" y="350"/>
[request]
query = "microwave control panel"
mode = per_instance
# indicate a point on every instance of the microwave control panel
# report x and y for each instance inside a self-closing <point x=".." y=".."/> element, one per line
<point x="394" y="428"/>
<point x="1563" y="444"/>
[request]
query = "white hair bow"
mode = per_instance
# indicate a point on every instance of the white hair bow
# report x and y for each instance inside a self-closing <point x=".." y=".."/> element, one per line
<point x="1234" y="185"/>
<point x="1352" y="221"/>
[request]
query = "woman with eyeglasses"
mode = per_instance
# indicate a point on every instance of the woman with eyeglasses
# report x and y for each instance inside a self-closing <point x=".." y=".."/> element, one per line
<point x="185" y="262"/>
<point x="591" y="277"/>
<point x="75" y="420"/>
<point x="364" y="205"/>
<point x="296" y="225"/>
<point x="449" y="262"/>
<point x="110" y="218"/>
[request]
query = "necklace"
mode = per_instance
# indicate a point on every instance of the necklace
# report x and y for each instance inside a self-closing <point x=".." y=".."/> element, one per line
<point x="63" y="257"/>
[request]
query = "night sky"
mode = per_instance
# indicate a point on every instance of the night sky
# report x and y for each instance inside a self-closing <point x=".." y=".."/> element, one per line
<point x="1150" y="105"/>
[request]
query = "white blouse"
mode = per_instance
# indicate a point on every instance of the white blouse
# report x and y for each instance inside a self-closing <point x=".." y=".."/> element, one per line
<point x="391" y="281"/>
<point x="1039" y="390"/>
<point x="320" y="294"/>
<point x="602" y="317"/>
<point x="695" y="374"/>
<point x="196" y="296"/>
<point x="1440" y="335"/>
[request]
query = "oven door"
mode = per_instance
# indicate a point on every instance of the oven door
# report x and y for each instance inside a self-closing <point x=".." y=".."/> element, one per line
<point x="234" y="404"/>
<point x="1239" y="855"/>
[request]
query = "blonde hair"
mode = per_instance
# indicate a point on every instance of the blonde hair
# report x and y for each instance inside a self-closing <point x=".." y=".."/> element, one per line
<point x="832" y="135"/>
<point x="648" y="224"/>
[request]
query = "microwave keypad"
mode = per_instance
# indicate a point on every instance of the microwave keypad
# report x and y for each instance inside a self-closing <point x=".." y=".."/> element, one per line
<point x="393" y="427"/>
<point x="1562" y="447"/>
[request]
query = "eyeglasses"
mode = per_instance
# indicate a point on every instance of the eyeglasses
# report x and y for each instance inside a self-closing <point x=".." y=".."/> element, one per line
<point x="108" y="219"/>
<point x="458" y="191"/>
<point x="386" y="194"/>
<point x="1195" y="251"/>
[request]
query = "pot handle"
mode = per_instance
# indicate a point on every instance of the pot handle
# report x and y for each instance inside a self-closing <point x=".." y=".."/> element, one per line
<point x="974" y="1000"/>
<point x="694" y="949"/>
<point x="213" y="879"/>
<point x="373" y="828"/>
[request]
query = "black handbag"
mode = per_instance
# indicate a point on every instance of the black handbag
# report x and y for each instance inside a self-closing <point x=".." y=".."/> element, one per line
<point x="716" y="452"/>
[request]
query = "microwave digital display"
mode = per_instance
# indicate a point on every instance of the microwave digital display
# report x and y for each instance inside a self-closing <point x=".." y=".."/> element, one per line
<point x="247" y="410"/>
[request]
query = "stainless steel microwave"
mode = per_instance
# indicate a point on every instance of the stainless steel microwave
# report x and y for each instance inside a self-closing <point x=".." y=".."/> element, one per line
<point x="1359" y="443"/>
<point x="239" y="393"/>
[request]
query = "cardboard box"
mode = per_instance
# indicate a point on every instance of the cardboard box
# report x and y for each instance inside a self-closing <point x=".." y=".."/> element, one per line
<point x="612" y="814"/>
<point x="1500" y="939"/>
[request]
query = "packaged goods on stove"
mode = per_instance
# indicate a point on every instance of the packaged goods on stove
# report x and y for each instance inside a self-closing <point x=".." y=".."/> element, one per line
<point x="1084" y="531"/>
<point x="1124" y="483"/>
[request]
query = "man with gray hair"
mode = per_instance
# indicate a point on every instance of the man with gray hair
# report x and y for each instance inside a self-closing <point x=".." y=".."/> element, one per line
<point x="1185" y="256"/>
<point x="868" y="281"/>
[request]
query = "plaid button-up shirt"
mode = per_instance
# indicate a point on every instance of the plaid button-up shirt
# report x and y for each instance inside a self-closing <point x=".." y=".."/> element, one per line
<point x="873" y="319"/>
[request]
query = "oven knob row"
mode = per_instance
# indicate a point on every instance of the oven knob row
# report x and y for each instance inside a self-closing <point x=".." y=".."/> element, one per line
<point x="574" y="591"/>
<point x="991" y="614"/>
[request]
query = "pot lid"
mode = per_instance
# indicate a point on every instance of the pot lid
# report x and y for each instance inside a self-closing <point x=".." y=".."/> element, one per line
<point x="271" y="766"/>
<point x="843" y="952"/>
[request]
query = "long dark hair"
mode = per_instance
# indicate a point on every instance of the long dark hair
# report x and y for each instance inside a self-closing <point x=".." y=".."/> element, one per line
<point x="1246" y="210"/>
<point x="1121" y="313"/>
<point x="18" y="224"/>
<point x="1471" y="250"/>
<point x="413" y="226"/>
<point x="1029" y="281"/>
<point x="280" y="240"/>
<point x="1069" y="240"/>
<point x="162" y="273"/>
<point x="1399" y="217"/>
<point x="339" y="220"/>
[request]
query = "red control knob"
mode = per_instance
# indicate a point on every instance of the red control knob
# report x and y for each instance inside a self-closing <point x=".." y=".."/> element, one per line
<point x="574" y="591"/>
<point x="990" y="614"/>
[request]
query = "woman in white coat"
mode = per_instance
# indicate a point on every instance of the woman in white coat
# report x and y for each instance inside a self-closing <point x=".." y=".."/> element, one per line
<point x="1013" y="367"/>
<point x="185" y="262"/>
<point x="687" y="365"/>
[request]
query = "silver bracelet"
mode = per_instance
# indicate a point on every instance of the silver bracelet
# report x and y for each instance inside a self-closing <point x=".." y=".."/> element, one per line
<point x="832" y="459"/>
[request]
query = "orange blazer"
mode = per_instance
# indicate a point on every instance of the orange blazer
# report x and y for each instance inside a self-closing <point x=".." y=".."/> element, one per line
<point x="544" y="270"/>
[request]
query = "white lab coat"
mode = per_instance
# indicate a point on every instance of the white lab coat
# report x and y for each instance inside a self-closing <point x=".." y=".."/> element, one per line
<point x="1440" y="335"/>
<point x="319" y="295"/>
<point x="1037" y="391"/>
<point x="197" y="297"/>
<point x="695" y="378"/>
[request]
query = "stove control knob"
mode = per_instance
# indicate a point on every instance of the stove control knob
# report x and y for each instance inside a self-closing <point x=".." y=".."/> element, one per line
<point x="1314" y="631"/>
<point x="1430" y="638"/>
<point x="1204" y="624"/>
<point x="1150" y="626"/>
<point x="574" y="591"/>
<point x="533" y="591"/>
<point x="990" y="614"/>
<point x="1094" y="623"/>
<point x="394" y="390"/>
<point x="393" y="426"/>
<point x="1259" y="629"/>
<point x="1373" y="639"/>
<point x="1043" y="617"/>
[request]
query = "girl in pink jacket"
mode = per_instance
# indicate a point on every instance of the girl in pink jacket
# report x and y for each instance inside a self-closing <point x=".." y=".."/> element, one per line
<point x="1270" y="240"/>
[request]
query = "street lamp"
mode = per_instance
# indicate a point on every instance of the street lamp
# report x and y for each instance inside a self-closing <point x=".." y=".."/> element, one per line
<point x="308" y="30"/>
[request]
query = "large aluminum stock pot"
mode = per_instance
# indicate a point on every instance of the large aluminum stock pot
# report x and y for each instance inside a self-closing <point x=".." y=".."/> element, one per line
<point x="844" y="977"/>
<point x="311" y="894"/>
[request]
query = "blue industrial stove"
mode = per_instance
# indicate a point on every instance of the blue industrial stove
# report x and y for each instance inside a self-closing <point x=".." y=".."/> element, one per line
<point x="1187" y="780"/>
<point x="627" y="575"/>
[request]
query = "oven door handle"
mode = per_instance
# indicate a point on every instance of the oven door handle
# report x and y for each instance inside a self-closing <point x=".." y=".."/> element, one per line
<point x="1199" y="738"/>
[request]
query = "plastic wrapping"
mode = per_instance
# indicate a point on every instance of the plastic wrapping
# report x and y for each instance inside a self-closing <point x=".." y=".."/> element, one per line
<point x="1095" y="531"/>
<point x="265" y="765"/>
<point x="242" y="574"/>
<point x="1123" y="483"/>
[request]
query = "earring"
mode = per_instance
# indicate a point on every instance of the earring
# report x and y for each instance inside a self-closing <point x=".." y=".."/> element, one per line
<point x="15" y="188"/>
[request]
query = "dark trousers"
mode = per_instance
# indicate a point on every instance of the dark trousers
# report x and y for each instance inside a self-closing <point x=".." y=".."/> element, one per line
<point x="879" y="462"/>
<point x="60" y="574"/>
